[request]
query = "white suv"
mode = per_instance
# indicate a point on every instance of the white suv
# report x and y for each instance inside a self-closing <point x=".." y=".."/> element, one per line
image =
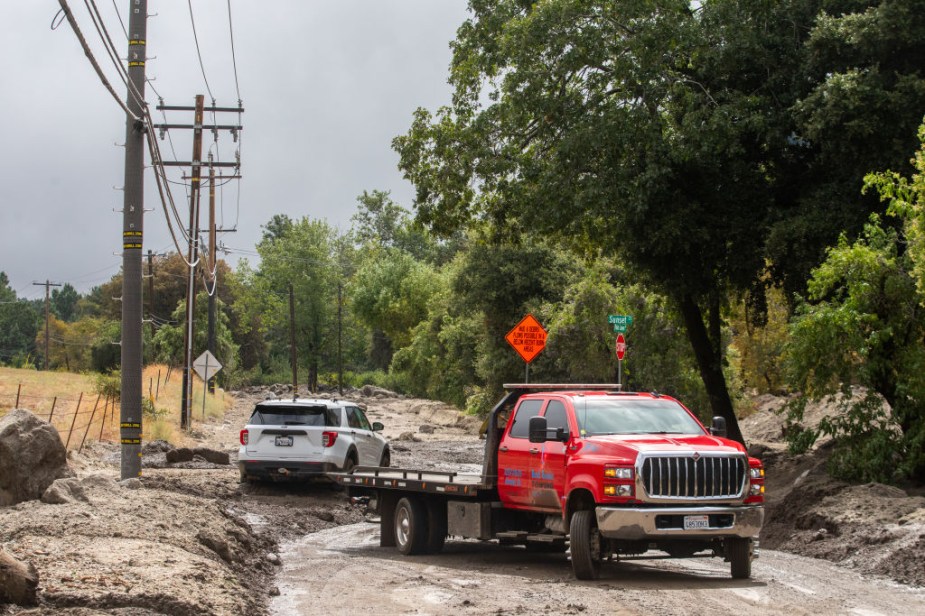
<point x="303" y="438"/>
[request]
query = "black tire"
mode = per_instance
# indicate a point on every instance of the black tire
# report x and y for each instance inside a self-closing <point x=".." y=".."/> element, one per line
<point x="350" y="463"/>
<point x="386" y="459"/>
<point x="585" y="544"/>
<point x="245" y="478"/>
<point x="411" y="526"/>
<point x="436" y="526"/>
<point x="739" y="554"/>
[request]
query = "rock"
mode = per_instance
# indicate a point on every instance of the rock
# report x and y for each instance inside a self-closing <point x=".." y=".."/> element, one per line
<point x="217" y="544"/>
<point x="65" y="491"/>
<point x="427" y="429"/>
<point x="371" y="391"/>
<point x="185" y="454"/>
<point x="98" y="481"/>
<point x="326" y="516"/>
<point x="131" y="484"/>
<point x="408" y="436"/>
<point x="18" y="581"/>
<point x="273" y="558"/>
<point x="274" y="591"/>
<point x="32" y="457"/>
<point x="158" y="446"/>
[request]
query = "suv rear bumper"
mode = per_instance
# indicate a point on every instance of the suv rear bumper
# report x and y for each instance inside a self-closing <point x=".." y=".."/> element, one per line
<point x="283" y="469"/>
<point x="668" y="522"/>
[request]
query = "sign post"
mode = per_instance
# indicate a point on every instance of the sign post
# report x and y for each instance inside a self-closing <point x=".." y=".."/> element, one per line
<point x="528" y="338"/>
<point x="621" y="323"/>
<point x="621" y="353"/>
<point x="206" y="366"/>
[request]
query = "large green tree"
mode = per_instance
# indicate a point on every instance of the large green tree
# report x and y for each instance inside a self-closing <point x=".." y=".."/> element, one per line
<point x="661" y="132"/>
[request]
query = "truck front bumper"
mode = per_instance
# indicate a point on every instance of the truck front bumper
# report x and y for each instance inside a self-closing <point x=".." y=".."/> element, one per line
<point x="669" y="522"/>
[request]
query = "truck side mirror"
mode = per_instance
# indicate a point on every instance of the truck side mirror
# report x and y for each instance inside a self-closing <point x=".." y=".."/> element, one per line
<point x="719" y="426"/>
<point x="537" y="429"/>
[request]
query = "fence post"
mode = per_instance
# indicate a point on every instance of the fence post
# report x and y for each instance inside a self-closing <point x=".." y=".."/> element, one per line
<point x="103" y="423"/>
<point x="87" y="431"/>
<point x="54" y="401"/>
<point x="68" y="441"/>
<point x="18" y="390"/>
<point x="157" y="392"/>
<point x="151" y="388"/>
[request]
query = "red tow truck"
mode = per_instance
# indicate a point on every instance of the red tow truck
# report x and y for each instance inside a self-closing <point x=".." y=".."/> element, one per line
<point x="606" y="474"/>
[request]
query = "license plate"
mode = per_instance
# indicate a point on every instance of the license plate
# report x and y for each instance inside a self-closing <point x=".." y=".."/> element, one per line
<point x="696" y="522"/>
<point x="284" y="441"/>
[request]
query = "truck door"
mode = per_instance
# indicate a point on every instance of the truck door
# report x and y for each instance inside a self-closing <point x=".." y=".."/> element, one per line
<point x="515" y="458"/>
<point x="549" y="478"/>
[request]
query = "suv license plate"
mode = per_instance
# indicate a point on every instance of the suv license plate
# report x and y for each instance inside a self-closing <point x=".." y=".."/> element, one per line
<point x="284" y="441"/>
<point x="696" y="522"/>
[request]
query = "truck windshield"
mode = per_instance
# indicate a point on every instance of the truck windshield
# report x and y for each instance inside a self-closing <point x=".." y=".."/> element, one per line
<point x="278" y="415"/>
<point x="635" y="416"/>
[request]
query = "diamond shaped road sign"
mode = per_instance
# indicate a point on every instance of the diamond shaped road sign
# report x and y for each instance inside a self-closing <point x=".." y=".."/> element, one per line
<point x="528" y="338"/>
<point x="206" y="366"/>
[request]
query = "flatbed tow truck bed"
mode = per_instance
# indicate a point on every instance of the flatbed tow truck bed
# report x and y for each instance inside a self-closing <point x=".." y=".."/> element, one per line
<point x="455" y="484"/>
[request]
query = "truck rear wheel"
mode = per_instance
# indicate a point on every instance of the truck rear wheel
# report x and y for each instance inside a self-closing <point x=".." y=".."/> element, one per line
<point x="411" y="526"/>
<point x="585" y="543"/>
<point x="436" y="526"/>
<point x="739" y="554"/>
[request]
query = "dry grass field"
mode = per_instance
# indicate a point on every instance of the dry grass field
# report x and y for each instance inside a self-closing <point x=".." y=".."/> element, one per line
<point x="80" y="412"/>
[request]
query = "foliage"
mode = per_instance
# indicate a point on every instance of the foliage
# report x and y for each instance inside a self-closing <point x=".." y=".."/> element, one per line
<point x="390" y="292"/>
<point x="19" y="324"/>
<point x="109" y="384"/>
<point x="759" y="346"/>
<point x="64" y="302"/>
<point x="168" y="341"/>
<point x="863" y="323"/>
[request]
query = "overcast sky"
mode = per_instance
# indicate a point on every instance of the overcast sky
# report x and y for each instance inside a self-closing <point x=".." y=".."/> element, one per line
<point x="326" y="85"/>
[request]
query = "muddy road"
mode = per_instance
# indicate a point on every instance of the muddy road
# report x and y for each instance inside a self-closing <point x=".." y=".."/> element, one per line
<point x="344" y="571"/>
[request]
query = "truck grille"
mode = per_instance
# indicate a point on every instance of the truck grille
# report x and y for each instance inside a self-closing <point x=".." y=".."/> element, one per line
<point x="697" y="476"/>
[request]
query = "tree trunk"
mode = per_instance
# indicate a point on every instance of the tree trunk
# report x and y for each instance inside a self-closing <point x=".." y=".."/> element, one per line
<point x="710" y="362"/>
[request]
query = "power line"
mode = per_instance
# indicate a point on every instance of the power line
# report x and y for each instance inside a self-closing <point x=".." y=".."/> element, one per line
<point x="234" y="62"/>
<point x="198" y="53"/>
<point x="99" y="71"/>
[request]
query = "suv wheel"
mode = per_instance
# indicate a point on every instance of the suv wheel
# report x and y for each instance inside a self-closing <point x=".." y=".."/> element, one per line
<point x="386" y="458"/>
<point x="350" y="463"/>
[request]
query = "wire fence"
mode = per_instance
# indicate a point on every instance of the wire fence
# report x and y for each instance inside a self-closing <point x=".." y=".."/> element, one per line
<point x="88" y="416"/>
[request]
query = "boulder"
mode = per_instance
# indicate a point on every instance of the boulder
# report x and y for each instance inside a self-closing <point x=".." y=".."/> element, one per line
<point x="18" y="581"/>
<point x="185" y="454"/>
<point x="65" y="491"/>
<point x="32" y="457"/>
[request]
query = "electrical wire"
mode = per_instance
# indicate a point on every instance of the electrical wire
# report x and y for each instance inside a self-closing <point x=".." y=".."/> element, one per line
<point x="198" y="53"/>
<point x="234" y="62"/>
<point x="89" y="53"/>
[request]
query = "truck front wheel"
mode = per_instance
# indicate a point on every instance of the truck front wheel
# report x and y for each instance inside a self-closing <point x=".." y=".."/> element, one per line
<point x="411" y="526"/>
<point x="585" y="544"/>
<point x="739" y="555"/>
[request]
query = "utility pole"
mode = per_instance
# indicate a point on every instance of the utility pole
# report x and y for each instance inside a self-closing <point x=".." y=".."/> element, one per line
<point x="195" y="182"/>
<point x="292" y="350"/>
<point x="340" y="337"/>
<point x="132" y="236"/>
<point x="47" y="286"/>
<point x="193" y="253"/>
<point x="213" y="270"/>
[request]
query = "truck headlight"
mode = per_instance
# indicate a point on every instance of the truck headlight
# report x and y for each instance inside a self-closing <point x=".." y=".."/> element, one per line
<point x="619" y="472"/>
<point x="618" y="490"/>
<point x="757" y="489"/>
<point x="756" y="472"/>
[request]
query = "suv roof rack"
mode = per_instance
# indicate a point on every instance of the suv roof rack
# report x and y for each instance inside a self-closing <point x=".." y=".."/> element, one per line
<point x="589" y="386"/>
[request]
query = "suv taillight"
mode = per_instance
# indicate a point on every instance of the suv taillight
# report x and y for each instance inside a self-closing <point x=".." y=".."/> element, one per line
<point x="328" y="438"/>
<point x="243" y="437"/>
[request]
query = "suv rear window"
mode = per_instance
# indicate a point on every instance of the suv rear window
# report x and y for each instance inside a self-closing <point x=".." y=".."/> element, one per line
<point x="296" y="415"/>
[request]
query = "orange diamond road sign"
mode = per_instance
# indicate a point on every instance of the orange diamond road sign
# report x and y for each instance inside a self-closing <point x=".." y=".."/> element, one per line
<point x="528" y="338"/>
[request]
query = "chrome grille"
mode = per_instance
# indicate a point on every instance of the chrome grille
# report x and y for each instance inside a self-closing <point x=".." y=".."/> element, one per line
<point x="694" y="476"/>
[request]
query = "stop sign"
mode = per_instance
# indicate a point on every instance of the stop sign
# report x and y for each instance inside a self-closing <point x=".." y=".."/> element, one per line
<point x="621" y="347"/>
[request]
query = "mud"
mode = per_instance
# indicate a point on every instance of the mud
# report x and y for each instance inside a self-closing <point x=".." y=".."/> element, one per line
<point x="196" y="541"/>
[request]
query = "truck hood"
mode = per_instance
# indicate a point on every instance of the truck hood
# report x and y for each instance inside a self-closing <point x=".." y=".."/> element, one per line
<point x="628" y="445"/>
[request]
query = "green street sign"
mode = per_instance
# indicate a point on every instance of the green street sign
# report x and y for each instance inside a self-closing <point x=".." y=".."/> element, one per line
<point x="620" y="322"/>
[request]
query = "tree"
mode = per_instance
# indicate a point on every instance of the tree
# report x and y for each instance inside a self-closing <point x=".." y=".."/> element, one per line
<point x="19" y="325"/>
<point x="687" y="139"/>
<point x="864" y="324"/>
<point x="64" y="302"/>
